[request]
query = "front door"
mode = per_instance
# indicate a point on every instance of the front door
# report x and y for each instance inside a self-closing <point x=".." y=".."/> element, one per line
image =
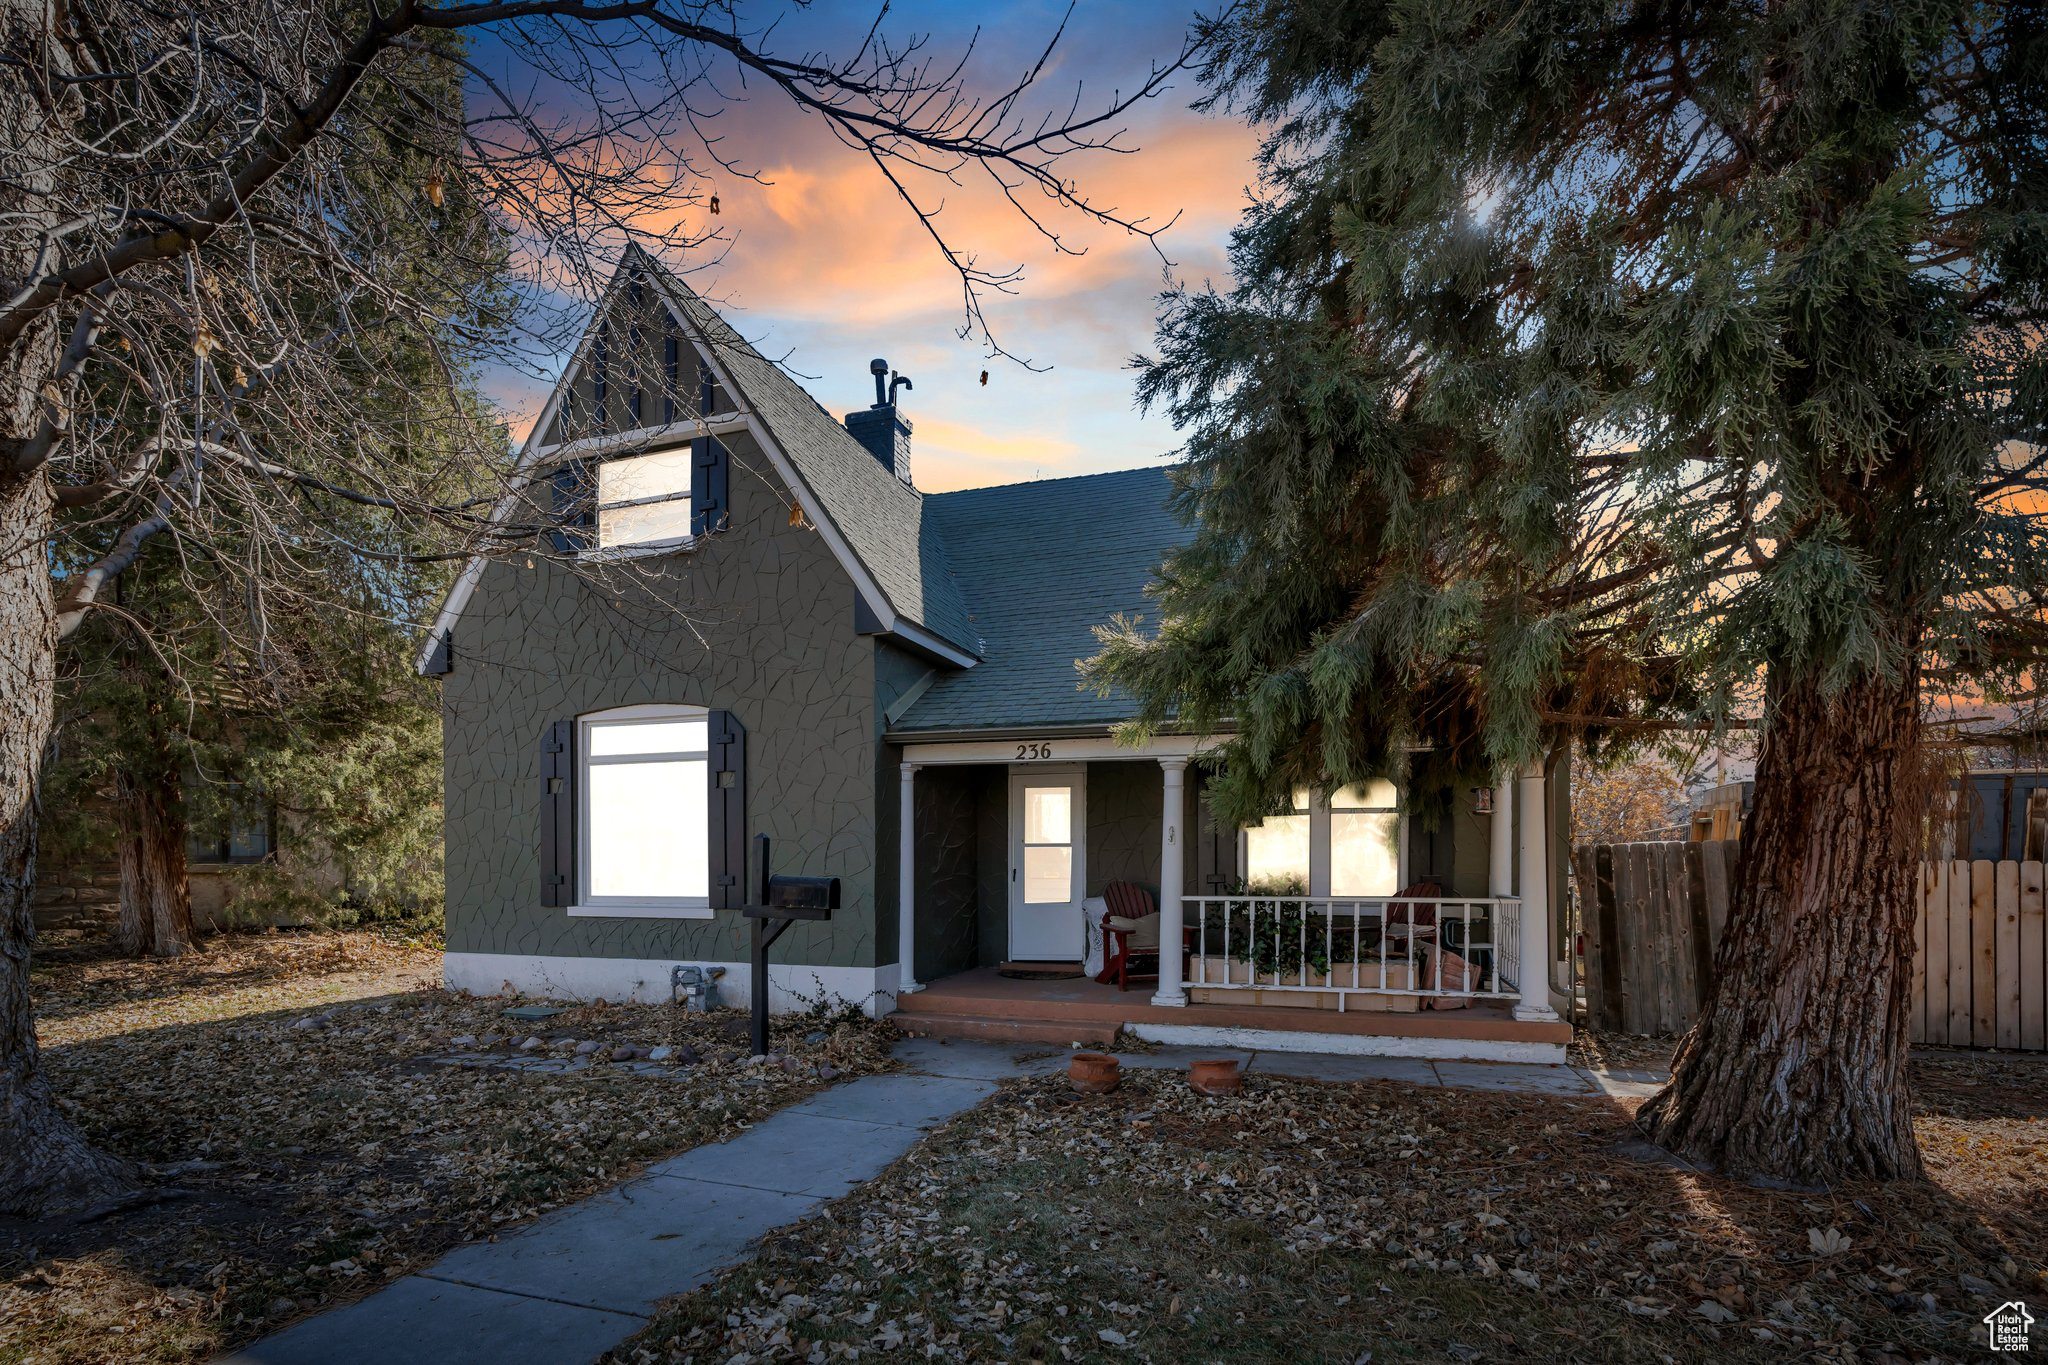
<point x="1048" y="863"/>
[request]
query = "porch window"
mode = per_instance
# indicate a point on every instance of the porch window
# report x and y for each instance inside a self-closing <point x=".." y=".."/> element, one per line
<point x="1347" y="845"/>
<point x="1365" y="831"/>
<point x="644" y="498"/>
<point x="1277" y="854"/>
<point x="643" y="825"/>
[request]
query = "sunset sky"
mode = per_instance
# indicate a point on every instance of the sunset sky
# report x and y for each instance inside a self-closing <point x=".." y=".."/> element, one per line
<point x="827" y="267"/>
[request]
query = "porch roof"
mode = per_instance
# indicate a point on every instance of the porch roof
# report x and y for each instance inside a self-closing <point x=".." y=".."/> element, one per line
<point x="1041" y="565"/>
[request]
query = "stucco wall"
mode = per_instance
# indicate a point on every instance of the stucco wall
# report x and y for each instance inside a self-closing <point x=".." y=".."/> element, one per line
<point x="992" y="864"/>
<point x="948" y="921"/>
<point x="758" y="621"/>
<point x="1456" y="852"/>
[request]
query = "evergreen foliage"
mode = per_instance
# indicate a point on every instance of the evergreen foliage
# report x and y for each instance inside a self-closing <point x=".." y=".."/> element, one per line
<point x="1596" y="368"/>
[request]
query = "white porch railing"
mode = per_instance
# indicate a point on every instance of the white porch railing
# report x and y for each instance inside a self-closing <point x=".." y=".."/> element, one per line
<point x="1343" y="946"/>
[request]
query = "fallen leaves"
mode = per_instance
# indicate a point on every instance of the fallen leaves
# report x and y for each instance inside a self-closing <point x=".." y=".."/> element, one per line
<point x="1298" y="1220"/>
<point x="281" y="1087"/>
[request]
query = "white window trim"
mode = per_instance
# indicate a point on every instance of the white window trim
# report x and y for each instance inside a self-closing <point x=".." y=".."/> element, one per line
<point x="639" y="549"/>
<point x="627" y="549"/>
<point x="1319" y="812"/>
<point x="628" y="907"/>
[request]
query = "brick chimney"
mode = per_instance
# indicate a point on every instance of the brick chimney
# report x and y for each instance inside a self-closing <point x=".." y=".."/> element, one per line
<point x="883" y="429"/>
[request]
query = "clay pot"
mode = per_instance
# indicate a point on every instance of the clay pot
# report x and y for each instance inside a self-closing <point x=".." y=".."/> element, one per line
<point x="1093" y="1073"/>
<point x="1220" y="1076"/>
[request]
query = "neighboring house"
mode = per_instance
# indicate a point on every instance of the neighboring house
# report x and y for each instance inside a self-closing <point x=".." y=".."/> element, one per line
<point x="1990" y="814"/>
<point x="221" y="843"/>
<point x="771" y="630"/>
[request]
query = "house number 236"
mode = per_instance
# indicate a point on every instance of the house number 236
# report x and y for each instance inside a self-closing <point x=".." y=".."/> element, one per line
<point x="1026" y="752"/>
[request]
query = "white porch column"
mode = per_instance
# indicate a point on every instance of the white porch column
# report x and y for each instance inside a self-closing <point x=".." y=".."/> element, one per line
<point x="1170" y="991"/>
<point x="1535" y="964"/>
<point x="906" y="885"/>
<point x="1500" y="862"/>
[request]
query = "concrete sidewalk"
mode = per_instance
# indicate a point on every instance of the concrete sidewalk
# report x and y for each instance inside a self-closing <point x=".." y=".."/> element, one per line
<point x="994" y="1061"/>
<point x="581" y="1280"/>
<point x="571" y="1286"/>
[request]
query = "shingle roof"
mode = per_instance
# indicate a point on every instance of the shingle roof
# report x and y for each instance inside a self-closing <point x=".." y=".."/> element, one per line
<point x="880" y="516"/>
<point x="1042" y="564"/>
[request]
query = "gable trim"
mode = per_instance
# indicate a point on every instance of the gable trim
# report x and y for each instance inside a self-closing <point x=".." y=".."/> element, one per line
<point x="871" y="593"/>
<point x="533" y="455"/>
<point x="643" y="438"/>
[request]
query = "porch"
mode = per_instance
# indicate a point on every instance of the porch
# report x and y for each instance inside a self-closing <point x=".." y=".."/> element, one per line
<point x="982" y="1003"/>
<point x="1295" y="928"/>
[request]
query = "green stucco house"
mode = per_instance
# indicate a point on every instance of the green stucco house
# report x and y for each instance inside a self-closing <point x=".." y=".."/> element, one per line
<point x="721" y="611"/>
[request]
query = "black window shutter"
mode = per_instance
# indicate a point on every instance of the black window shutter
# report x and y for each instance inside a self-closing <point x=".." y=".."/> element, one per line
<point x="441" y="658"/>
<point x="673" y="371"/>
<point x="558" y="814"/>
<point x="708" y="478"/>
<point x="728" y="811"/>
<point x="575" y="508"/>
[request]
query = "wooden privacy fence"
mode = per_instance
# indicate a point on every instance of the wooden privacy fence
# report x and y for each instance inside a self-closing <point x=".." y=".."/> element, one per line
<point x="1651" y="915"/>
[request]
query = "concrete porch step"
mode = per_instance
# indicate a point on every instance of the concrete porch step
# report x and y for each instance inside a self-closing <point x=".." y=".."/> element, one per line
<point x="944" y="1024"/>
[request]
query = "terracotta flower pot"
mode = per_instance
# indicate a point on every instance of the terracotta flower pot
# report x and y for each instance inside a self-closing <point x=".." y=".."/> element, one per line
<point x="1218" y="1076"/>
<point x="1093" y="1073"/>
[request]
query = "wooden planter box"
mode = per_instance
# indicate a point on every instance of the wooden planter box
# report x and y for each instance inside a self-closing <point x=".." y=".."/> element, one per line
<point x="1238" y="972"/>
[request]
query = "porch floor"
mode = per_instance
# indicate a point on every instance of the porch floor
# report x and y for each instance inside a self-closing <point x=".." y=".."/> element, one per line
<point x="982" y="1003"/>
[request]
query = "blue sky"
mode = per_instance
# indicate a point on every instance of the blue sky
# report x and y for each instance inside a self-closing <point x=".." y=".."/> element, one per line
<point x="827" y="267"/>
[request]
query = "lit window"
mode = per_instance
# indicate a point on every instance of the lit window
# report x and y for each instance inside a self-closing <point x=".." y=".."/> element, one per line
<point x="644" y="498"/>
<point x="1048" y="845"/>
<point x="644" y="822"/>
<point x="1277" y="851"/>
<point x="1365" y="831"/>
<point x="1348" y="845"/>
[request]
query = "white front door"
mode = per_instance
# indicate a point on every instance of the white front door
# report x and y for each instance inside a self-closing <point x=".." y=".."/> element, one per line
<point x="1048" y="863"/>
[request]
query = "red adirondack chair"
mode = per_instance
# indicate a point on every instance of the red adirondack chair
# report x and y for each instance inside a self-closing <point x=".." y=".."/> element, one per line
<point x="1131" y="947"/>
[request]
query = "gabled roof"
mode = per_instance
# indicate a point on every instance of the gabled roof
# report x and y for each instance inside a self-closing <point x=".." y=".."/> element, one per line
<point x="1041" y="565"/>
<point x="873" y="521"/>
<point x="880" y="517"/>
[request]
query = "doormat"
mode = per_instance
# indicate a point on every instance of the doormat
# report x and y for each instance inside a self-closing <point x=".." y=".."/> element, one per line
<point x="1049" y="972"/>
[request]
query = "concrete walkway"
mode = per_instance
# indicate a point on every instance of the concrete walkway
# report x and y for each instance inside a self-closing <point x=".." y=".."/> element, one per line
<point x="574" y="1284"/>
<point x="567" y="1288"/>
<point x="993" y="1061"/>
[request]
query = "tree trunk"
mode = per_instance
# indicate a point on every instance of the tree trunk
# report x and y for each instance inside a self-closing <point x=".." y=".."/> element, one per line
<point x="134" y="933"/>
<point x="162" y="850"/>
<point x="156" y="891"/>
<point x="1796" y="1069"/>
<point x="45" y="1163"/>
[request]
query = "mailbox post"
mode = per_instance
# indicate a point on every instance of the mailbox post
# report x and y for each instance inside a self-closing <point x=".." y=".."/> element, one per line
<point x="784" y="901"/>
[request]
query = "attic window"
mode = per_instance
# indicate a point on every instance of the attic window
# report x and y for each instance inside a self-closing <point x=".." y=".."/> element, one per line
<point x="644" y="498"/>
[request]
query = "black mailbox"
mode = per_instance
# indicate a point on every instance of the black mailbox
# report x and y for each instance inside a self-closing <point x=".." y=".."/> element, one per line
<point x="784" y="900"/>
<point x="802" y="897"/>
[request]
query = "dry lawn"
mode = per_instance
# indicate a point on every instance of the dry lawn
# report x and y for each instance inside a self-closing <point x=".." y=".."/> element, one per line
<point x="1382" y="1222"/>
<point x="302" y="1166"/>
